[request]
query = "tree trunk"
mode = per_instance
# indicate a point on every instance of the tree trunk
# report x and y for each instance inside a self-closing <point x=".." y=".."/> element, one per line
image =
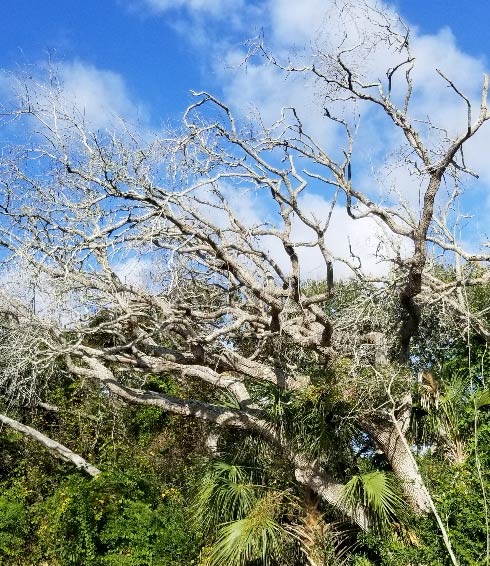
<point x="389" y="438"/>
<point x="329" y="490"/>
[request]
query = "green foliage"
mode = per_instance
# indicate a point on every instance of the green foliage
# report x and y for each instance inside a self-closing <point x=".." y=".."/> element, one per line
<point x="144" y="422"/>
<point x="482" y="398"/>
<point x="243" y="521"/>
<point x="248" y="511"/>
<point x="14" y="526"/>
<point x="133" y="515"/>
<point x="455" y="422"/>
<point x="257" y="536"/>
<point x="312" y="419"/>
<point x="114" y="519"/>
<point x="225" y="493"/>
<point x="458" y="497"/>
<point x="376" y="491"/>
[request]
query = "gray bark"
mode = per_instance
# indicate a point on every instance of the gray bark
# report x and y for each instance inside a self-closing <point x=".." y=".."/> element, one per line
<point x="389" y="439"/>
<point x="57" y="449"/>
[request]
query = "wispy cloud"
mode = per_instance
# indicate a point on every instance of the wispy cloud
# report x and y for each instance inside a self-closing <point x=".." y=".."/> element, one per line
<point x="100" y="97"/>
<point x="296" y="32"/>
<point x="213" y="7"/>
<point x="101" y="94"/>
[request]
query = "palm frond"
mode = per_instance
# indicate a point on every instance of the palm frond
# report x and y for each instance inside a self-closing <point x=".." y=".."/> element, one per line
<point x="375" y="492"/>
<point x="258" y="536"/>
<point x="438" y="423"/>
<point x="482" y="398"/>
<point x="225" y="493"/>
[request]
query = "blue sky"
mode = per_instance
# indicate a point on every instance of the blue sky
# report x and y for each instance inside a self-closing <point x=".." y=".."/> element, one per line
<point x="141" y="58"/>
<point x="153" y="50"/>
<point x="158" y="66"/>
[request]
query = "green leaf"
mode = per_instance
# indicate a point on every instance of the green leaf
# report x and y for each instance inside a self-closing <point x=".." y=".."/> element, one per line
<point x="375" y="492"/>
<point x="256" y="536"/>
<point x="482" y="398"/>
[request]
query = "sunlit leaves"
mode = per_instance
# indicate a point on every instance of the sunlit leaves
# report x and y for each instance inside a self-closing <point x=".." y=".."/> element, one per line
<point x="376" y="493"/>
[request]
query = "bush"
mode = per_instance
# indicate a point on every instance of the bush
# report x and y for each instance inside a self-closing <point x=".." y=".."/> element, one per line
<point x="13" y="527"/>
<point x="114" y="520"/>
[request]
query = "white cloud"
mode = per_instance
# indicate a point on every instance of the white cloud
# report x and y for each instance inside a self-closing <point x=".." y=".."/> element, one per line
<point x="344" y="235"/>
<point x="208" y="25"/>
<point x="294" y="30"/>
<point x="212" y="7"/>
<point x="363" y="238"/>
<point x="99" y="97"/>
<point x="136" y="272"/>
<point x="40" y="294"/>
<point x="296" y="23"/>
<point x="102" y="95"/>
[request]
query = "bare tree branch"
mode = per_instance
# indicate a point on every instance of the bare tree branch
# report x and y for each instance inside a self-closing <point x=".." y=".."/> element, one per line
<point x="57" y="449"/>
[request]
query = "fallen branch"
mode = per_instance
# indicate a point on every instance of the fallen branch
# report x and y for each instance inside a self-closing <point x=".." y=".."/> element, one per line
<point x="57" y="449"/>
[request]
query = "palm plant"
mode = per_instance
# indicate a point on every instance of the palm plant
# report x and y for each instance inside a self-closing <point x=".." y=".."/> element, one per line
<point x="240" y="516"/>
<point x="377" y="493"/>
<point x="446" y="413"/>
<point x="249" y="522"/>
<point x="258" y="536"/>
<point x="436" y="420"/>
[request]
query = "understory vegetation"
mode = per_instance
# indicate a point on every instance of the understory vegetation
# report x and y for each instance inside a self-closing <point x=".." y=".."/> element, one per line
<point x="171" y="492"/>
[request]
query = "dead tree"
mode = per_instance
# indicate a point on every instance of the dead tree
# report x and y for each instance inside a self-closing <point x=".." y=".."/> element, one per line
<point x="92" y="203"/>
